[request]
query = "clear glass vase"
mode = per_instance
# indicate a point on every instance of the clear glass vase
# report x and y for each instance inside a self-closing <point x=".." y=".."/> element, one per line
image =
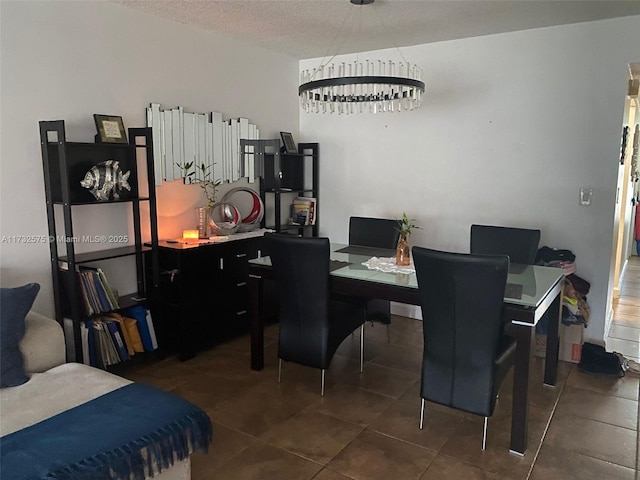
<point x="403" y="252"/>
<point x="202" y="218"/>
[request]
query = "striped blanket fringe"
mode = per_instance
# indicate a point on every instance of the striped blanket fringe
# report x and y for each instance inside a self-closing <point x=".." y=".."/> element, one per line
<point x="146" y="456"/>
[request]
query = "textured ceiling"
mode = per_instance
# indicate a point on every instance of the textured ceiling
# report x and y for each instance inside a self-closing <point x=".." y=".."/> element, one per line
<point x="315" y="28"/>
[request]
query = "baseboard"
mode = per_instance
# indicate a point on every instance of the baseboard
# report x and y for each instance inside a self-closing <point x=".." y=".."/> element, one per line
<point x="404" y="310"/>
<point x="607" y="323"/>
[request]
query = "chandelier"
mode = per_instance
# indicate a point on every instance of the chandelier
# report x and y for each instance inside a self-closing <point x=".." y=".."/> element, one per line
<point x="359" y="87"/>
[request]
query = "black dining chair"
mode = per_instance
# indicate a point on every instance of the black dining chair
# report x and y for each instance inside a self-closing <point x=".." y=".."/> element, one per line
<point x="312" y="326"/>
<point x="466" y="356"/>
<point x="520" y="244"/>
<point x="377" y="233"/>
<point x="373" y="232"/>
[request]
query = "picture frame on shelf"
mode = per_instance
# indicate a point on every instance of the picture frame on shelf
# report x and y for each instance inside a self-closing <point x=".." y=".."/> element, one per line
<point x="110" y="129"/>
<point x="289" y="144"/>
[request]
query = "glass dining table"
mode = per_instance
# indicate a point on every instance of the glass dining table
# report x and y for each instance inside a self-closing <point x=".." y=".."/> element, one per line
<point x="531" y="292"/>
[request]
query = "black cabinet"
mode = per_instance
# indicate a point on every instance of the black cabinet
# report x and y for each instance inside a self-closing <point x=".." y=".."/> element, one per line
<point x="78" y="175"/>
<point x="204" y="292"/>
<point x="283" y="177"/>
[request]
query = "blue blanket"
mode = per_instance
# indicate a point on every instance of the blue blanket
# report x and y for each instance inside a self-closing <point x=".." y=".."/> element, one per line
<point x="130" y="431"/>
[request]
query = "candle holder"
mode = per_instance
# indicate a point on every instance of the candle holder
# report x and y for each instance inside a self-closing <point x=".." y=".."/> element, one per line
<point x="190" y="235"/>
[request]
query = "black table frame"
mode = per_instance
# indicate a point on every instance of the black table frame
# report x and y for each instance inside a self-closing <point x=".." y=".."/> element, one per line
<point x="523" y="320"/>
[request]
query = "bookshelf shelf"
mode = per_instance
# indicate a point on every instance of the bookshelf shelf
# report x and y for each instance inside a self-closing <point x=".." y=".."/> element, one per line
<point x="66" y="165"/>
<point x="93" y="202"/>
<point x="285" y="176"/>
<point x="104" y="254"/>
<point x="125" y="301"/>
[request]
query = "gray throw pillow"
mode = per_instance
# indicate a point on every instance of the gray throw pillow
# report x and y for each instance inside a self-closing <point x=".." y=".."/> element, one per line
<point x="15" y="303"/>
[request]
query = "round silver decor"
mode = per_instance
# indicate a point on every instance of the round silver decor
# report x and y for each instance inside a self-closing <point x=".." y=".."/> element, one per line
<point x="224" y="218"/>
<point x="253" y="205"/>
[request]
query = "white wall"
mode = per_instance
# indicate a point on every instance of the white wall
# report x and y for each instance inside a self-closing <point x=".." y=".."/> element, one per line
<point x="69" y="60"/>
<point x="512" y="126"/>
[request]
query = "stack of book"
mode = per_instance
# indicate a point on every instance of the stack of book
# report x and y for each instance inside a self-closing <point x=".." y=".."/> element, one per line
<point x="303" y="211"/>
<point x="115" y="338"/>
<point x="97" y="295"/>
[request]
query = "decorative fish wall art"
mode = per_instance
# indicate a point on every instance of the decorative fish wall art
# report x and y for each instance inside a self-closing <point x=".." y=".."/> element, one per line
<point x="106" y="180"/>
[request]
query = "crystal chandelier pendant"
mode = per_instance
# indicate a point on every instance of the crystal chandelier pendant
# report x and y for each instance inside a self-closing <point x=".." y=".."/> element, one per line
<point x="379" y="90"/>
<point x="361" y="87"/>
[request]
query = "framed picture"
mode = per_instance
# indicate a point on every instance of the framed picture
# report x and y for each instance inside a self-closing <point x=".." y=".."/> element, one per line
<point x="289" y="144"/>
<point x="110" y="129"/>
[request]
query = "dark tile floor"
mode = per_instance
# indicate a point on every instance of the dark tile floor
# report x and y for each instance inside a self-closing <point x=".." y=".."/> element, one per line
<point x="366" y="425"/>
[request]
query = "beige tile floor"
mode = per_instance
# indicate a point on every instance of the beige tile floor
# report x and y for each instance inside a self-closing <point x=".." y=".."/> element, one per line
<point x="624" y="333"/>
<point x="366" y="425"/>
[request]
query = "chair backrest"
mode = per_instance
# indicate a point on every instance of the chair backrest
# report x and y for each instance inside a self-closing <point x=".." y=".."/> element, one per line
<point x="373" y="232"/>
<point x="461" y="297"/>
<point x="301" y="274"/>
<point x="519" y="244"/>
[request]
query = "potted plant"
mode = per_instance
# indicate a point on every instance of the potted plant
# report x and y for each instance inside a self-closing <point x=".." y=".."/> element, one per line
<point x="208" y="186"/>
<point x="403" y="253"/>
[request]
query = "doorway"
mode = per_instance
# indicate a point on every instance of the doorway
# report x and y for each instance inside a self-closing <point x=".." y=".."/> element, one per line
<point x="625" y="260"/>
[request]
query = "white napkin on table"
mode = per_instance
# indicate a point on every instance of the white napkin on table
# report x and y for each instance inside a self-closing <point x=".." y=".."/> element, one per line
<point x="388" y="265"/>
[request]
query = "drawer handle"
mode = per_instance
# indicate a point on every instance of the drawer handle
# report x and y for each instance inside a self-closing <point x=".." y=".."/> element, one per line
<point x="240" y="255"/>
<point x="171" y="273"/>
<point x="241" y="284"/>
<point x="241" y="312"/>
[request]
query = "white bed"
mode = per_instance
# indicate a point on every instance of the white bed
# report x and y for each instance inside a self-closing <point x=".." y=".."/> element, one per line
<point x="55" y="386"/>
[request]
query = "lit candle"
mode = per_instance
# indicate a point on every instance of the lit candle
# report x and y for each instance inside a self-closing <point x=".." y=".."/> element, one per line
<point x="190" y="234"/>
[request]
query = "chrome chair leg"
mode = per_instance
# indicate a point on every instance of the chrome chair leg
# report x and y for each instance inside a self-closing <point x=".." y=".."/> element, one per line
<point x="361" y="347"/>
<point x="484" y="434"/>
<point x="422" y="415"/>
<point x="322" y="384"/>
<point x="279" y="369"/>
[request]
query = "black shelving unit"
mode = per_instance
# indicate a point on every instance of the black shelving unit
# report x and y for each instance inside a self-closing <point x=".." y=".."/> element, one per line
<point x="65" y="165"/>
<point x="284" y="176"/>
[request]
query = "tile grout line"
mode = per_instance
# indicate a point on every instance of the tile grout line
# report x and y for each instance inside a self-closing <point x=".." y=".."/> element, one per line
<point x="546" y="428"/>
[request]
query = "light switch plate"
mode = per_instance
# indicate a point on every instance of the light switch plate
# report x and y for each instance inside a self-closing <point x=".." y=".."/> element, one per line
<point x="585" y="196"/>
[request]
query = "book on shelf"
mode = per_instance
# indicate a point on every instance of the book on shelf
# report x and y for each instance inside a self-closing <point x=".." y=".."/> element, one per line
<point x="90" y="294"/>
<point x="101" y="349"/>
<point x="105" y="304"/>
<point x="111" y="293"/>
<point x="97" y="295"/>
<point x="140" y="315"/>
<point x="116" y="336"/>
<point x="126" y="337"/>
<point x="107" y="346"/>
<point x="131" y="324"/>
<point x="87" y="343"/>
<point x="84" y="293"/>
<point x="152" y="330"/>
<point x="299" y="213"/>
<point x="312" y="211"/>
<point x="303" y="210"/>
